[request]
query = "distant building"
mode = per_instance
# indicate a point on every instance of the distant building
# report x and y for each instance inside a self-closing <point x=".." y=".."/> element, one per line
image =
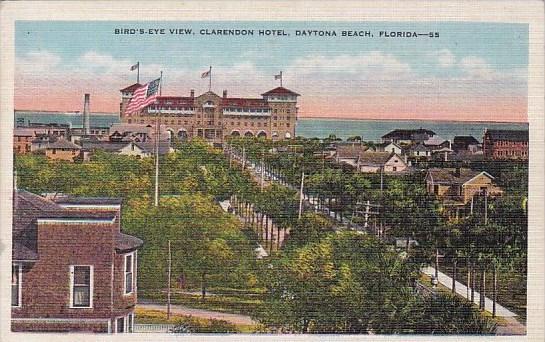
<point x="419" y="152"/>
<point x="457" y="187"/>
<point x="389" y="162"/>
<point x="73" y="270"/>
<point x="215" y="118"/>
<point x="128" y="148"/>
<point x="466" y="143"/>
<point x="389" y="147"/>
<point x="22" y="140"/>
<point x="408" y="136"/>
<point x="348" y="153"/>
<point x="505" y="144"/>
<point x="62" y="149"/>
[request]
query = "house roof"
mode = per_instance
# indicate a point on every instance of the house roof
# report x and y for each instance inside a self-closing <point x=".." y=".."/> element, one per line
<point x="125" y="243"/>
<point x="131" y="87"/>
<point x="110" y="146"/>
<point x="406" y="134"/>
<point x="350" y="151"/>
<point x="448" y="175"/>
<point x="375" y="158"/>
<point x="280" y="91"/>
<point x="419" y="148"/>
<point x="29" y="207"/>
<point x="63" y="143"/>
<point x="509" y="135"/>
<point x="465" y="140"/>
<point x="88" y="200"/>
<point x="149" y="146"/>
<point x="23" y="132"/>
<point x="434" y="141"/>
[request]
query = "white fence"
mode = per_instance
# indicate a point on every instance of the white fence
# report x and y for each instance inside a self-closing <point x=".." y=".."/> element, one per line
<point x="153" y="328"/>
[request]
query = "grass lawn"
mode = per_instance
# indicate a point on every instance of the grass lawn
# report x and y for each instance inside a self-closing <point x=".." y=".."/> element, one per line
<point x="244" y="302"/>
<point x="195" y="324"/>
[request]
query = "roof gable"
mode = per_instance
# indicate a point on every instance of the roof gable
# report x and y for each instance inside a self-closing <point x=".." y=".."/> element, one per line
<point x="280" y="91"/>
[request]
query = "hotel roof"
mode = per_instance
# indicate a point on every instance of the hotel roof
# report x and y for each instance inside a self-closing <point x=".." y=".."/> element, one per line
<point x="510" y="135"/>
<point x="131" y="87"/>
<point x="280" y="91"/>
<point x="63" y="143"/>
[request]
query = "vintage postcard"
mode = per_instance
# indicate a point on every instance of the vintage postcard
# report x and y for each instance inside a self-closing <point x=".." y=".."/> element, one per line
<point x="278" y="170"/>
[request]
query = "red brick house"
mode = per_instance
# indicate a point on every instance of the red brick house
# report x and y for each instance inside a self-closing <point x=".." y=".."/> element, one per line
<point x="505" y="144"/>
<point x="72" y="267"/>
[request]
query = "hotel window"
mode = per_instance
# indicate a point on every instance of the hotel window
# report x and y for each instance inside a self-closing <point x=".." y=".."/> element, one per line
<point x="120" y="325"/>
<point x="129" y="271"/>
<point x="81" y="286"/>
<point x="16" y="275"/>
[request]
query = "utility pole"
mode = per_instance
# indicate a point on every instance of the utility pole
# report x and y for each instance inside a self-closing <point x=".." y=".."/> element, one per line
<point x="381" y="179"/>
<point x="243" y="157"/>
<point x="301" y="196"/>
<point x="169" y="271"/>
<point x="230" y="155"/>
<point x="157" y="137"/>
<point x="262" y="169"/>
<point x="485" y="207"/>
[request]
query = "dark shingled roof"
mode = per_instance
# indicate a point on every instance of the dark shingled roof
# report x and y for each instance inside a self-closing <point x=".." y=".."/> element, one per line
<point x="445" y="175"/>
<point x="88" y="200"/>
<point x="27" y="208"/>
<point x="125" y="243"/>
<point x="280" y="91"/>
<point x="108" y="146"/>
<point x="375" y="158"/>
<point x="509" y="135"/>
<point x="131" y="87"/>
<point x="406" y="134"/>
<point x="350" y="151"/>
<point x="149" y="146"/>
<point x="465" y="140"/>
<point x="63" y="143"/>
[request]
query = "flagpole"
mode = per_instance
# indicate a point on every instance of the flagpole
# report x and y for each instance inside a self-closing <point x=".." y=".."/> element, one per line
<point x="210" y="79"/>
<point x="138" y="72"/>
<point x="280" y="77"/>
<point x="157" y="137"/>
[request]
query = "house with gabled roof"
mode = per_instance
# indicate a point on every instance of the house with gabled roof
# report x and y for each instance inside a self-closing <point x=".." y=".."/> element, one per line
<point x="73" y="269"/>
<point x="388" y="162"/>
<point x="62" y="149"/>
<point x="460" y="185"/>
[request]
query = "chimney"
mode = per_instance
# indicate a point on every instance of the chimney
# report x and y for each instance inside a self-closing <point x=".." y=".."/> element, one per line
<point x="224" y="94"/>
<point x="192" y="93"/>
<point x="457" y="172"/>
<point x="86" y="126"/>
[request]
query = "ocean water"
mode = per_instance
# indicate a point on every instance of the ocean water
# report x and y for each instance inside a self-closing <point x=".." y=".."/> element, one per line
<point x="373" y="130"/>
<point x="309" y="128"/>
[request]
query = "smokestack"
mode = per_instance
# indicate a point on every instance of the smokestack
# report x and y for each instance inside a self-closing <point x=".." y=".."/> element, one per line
<point x="192" y="93"/>
<point x="86" y="125"/>
<point x="225" y="94"/>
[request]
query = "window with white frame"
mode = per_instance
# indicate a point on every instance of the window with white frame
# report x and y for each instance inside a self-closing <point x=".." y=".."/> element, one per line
<point x="129" y="273"/>
<point x="81" y="286"/>
<point x="16" y="275"/>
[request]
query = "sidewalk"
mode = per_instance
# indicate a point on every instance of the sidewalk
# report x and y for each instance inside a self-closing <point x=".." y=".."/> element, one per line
<point x="201" y="313"/>
<point x="461" y="290"/>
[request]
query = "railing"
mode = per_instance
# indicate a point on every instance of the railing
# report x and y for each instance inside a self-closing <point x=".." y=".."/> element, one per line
<point x="153" y="328"/>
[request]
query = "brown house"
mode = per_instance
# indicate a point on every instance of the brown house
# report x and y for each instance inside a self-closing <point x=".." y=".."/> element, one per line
<point x="22" y="140"/>
<point x="505" y="144"/>
<point x="62" y="149"/>
<point x="72" y="267"/>
<point x="456" y="188"/>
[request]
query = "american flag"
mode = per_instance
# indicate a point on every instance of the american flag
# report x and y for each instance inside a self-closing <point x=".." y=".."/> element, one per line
<point x="205" y="74"/>
<point x="143" y="96"/>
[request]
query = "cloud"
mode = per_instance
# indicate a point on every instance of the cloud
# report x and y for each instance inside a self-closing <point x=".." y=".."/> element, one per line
<point x="37" y="62"/>
<point x="444" y="58"/>
<point x="372" y="65"/>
